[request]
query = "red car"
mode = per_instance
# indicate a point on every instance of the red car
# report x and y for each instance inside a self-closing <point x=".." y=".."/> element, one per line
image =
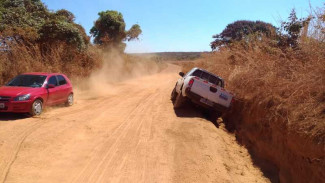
<point x="30" y="92"/>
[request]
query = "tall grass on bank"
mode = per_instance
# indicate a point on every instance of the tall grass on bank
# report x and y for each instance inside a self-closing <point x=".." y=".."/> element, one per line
<point x="291" y="82"/>
<point x="78" y="65"/>
<point x="58" y="57"/>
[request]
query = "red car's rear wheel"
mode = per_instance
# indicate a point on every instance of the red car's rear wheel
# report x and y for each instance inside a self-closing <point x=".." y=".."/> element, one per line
<point x="70" y="100"/>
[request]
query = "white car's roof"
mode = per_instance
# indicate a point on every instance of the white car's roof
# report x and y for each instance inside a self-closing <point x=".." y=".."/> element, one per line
<point x="196" y="68"/>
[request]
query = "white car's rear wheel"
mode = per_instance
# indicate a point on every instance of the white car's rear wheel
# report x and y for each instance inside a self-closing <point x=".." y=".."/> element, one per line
<point x="179" y="101"/>
<point x="173" y="95"/>
<point x="214" y="115"/>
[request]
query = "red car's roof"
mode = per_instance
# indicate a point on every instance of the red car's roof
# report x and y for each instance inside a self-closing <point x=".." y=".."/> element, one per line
<point x="40" y="73"/>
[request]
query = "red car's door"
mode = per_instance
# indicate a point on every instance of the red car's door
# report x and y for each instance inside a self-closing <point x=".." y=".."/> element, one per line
<point x="53" y="93"/>
<point x="64" y="89"/>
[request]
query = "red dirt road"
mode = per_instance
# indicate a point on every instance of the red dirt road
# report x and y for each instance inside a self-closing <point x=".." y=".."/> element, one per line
<point x="130" y="134"/>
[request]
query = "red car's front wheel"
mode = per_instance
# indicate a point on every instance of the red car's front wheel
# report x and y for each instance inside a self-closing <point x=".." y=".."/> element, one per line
<point x="37" y="108"/>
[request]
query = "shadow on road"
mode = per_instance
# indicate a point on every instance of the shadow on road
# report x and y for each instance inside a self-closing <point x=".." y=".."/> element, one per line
<point x="190" y="110"/>
<point x="12" y="116"/>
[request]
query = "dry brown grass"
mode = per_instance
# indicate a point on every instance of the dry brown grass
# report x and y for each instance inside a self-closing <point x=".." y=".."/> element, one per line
<point x="292" y="83"/>
<point x="88" y="70"/>
<point x="56" y="58"/>
<point x="77" y="65"/>
<point x="280" y="108"/>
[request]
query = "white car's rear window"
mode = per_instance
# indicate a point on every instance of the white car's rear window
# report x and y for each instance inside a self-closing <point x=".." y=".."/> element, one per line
<point x="208" y="77"/>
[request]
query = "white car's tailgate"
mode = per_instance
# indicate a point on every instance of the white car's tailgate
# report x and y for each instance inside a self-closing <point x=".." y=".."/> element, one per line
<point x="219" y="96"/>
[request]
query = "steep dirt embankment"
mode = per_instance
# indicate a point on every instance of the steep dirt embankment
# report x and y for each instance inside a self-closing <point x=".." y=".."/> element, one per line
<point x="283" y="153"/>
<point x="280" y="110"/>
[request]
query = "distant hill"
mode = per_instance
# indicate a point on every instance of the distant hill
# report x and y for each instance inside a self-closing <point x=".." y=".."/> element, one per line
<point x="170" y="56"/>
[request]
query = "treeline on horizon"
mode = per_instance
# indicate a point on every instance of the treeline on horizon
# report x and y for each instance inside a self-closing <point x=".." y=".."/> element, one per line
<point x="292" y="32"/>
<point x="170" y="56"/>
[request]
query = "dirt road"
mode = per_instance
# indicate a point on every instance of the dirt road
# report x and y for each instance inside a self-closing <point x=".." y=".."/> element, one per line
<point x="129" y="134"/>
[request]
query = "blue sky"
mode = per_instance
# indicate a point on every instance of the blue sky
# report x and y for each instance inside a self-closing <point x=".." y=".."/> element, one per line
<point x="182" y="25"/>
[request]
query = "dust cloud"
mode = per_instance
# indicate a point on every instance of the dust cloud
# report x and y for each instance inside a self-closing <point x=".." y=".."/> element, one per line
<point x="116" y="68"/>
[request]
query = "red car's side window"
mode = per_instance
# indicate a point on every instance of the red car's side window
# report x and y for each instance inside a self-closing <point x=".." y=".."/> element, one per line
<point x="53" y="80"/>
<point x="62" y="80"/>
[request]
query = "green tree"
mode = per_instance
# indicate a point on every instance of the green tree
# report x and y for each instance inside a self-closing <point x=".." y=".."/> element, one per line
<point x="30" y="21"/>
<point x="55" y="31"/>
<point x="241" y="30"/>
<point x="290" y="30"/>
<point x="23" y="13"/>
<point x="66" y="15"/>
<point x="109" y="30"/>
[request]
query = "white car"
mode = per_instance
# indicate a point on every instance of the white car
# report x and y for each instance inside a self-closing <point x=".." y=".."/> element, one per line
<point x="204" y="89"/>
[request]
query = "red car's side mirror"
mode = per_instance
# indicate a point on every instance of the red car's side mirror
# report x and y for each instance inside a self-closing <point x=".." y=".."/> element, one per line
<point x="50" y="86"/>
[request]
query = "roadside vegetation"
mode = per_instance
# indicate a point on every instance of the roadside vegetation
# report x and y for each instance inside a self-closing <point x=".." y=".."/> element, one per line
<point x="36" y="39"/>
<point x="278" y="77"/>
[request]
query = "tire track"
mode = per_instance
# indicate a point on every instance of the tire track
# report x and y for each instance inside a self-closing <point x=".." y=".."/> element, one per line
<point x="42" y="121"/>
<point x="119" y="132"/>
<point x="138" y="123"/>
<point x="27" y="132"/>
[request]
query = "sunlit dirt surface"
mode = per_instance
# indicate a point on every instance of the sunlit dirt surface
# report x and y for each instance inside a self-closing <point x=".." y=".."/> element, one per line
<point x="130" y="133"/>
